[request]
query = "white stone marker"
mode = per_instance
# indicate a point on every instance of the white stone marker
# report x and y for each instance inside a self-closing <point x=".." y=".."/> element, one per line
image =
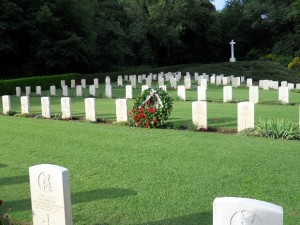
<point x="283" y="94"/>
<point x="128" y="92"/>
<point x="249" y="82"/>
<point x="139" y="80"/>
<point x="227" y="93"/>
<point x="121" y="110"/>
<point x="96" y="83"/>
<point x="108" y="91"/>
<point x="201" y="92"/>
<point x="242" y="79"/>
<point x="52" y="90"/>
<point x="161" y="81"/>
<point x="245" y="211"/>
<point x="218" y="80"/>
<point x="225" y="80"/>
<point x="107" y="80"/>
<point x="173" y="82"/>
<point x="187" y="82"/>
<point x="92" y="90"/>
<point x="73" y="84"/>
<point x="199" y="112"/>
<point x="298" y="86"/>
<point x="254" y="94"/>
<point x="6" y="105"/>
<point x="25" y="104"/>
<point x="83" y="83"/>
<point x="232" y="59"/>
<point x="18" y="91"/>
<point x="291" y="86"/>
<point x="283" y="84"/>
<point x="46" y="111"/>
<point x="236" y="82"/>
<point x="126" y="77"/>
<point x="203" y="83"/>
<point x="266" y="85"/>
<point x="144" y="87"/>
<point x="213" y="79"/>
<point x="90" y="109"/>
<point x="65" y="91"/>
<point x="78" y="90"/>
<point x="120" y="81"/>
<point x="50" y="195"/>
<point x="149" y="81"/>
<point x="65" y="103"/>
<point x="245" y="115"/>
<point x="27" y="90"/>
<point x="38" y="90"/>
<point x="62" y="83"/>
<point x="133" y="81"/>
<point x="181" y="92"/>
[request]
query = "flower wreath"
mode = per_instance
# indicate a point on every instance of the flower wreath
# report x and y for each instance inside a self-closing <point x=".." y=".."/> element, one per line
<point x="151" y="108"/>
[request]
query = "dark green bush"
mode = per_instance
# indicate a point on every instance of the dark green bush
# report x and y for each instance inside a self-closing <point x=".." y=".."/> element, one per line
<point x="8" y="87"/>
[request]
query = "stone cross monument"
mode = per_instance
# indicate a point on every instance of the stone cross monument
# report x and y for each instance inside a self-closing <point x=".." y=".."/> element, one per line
<point x="232" y="59"/>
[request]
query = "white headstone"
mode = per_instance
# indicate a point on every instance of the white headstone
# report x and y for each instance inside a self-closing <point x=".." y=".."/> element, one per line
<point x="144" y="87"/>
<point x="275" y="85"/>
<point x="249" y="82"/>
<point x="90" y="109"/>
<point x="242" y="79"/>
<point x="244" y="211"/>
<point x="6" y="105"/>
<point x="62" y="83"/>
<point x="218" y="80"/>
<point x="66" y="107"/>
<point x="83" y="83"/>
<point x="149" y="81"/>
<point x="121" y="110"/>
<point x="225" y="80"/>
<point x="45" y="104"/>
<point x="107" y="80"/>
<point x="291" y="86"/>
<point x="245" y="115"/>
<point x="120" y="81"/>
<point x="236" y="82"/>
<point x="199" y="111"/>
<point x="232" y="59"/>
<point x="28" y="90"/>
<point x="284" y="84"/>
<point x="38" y="90"/>
<point x="266" y="85"/>
<point x="25" y="104"/>
<point x="203" y="83"/>
<point x="254" y="94"/>
<point x="50" y="195"/>
<point x="128" y="91"/>
<point x="213" y="79"/>
<point x="18" y="91"/>
<point x="52" y="90"/>
<point x="78" y="90"/>
<point x="65" y="91"/>
<point x="187" y="82"/>
<point x="133" y="81"/>
<point x="298" y="86"/>
<point x="283" y="94"/>
<point x="96" y="82"/>
<point x="140" y="80"/>
<point x="227" y="93"/>
<point x="173" y="82"/>
<point x="126" y="77"/>
<point x="201" y="91"/>
<point x="161" y="81"/>
<point x="73" y="83"/>
<point x="181" y="92"/>
<point x="92" y="90"/>
<point x="108" y="91"/>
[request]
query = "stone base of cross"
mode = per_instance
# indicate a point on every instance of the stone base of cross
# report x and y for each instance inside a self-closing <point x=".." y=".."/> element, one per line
<point x="232" y="60"/>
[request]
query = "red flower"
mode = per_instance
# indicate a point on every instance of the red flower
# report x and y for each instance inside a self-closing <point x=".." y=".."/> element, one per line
<point x="148" y="102"/>
<point x="154" y="119"/>
<point x="151" y="110"/>
<point x="138" y="123"/>
<point x="134" y="117"/>
<point x="147" y="125"/>
<point x="141" y="115"/>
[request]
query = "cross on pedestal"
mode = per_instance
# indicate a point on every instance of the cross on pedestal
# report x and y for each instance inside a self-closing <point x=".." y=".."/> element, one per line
<point x="47" y="222"/>
<point x="232" y="59"/>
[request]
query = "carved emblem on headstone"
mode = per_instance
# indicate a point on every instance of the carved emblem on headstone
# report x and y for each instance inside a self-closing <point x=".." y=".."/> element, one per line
<point x="245" y="217"/>
<point x="44" y="182"/>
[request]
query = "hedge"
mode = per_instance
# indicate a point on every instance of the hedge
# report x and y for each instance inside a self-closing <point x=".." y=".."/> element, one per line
<point x="8" y="87"/>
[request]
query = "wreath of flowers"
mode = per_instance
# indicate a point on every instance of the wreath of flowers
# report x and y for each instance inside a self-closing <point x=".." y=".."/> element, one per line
<point x="151" y="108"/>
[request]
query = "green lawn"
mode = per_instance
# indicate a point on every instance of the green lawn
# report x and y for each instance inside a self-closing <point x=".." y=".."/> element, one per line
<point x="133" y="176"/>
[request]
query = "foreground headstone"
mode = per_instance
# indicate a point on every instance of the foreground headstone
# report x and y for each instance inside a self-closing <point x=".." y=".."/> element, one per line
<point x="25" y="104"/>
<point x="245" y="115"/>
<point x="90" y="109"/>
<point x="227" y="93"/>
<point x="181" y="92"/>
<point x="50" y="195"/>
<point x="254" y="94"/>
<point x="46" y="111"/>
<point x="121" y="110"/>
<point x="283" y="94"/>
<point x="6" y="105"/>
<point x="66" y="108"/>
<point x="199" y="112"/>
<point x="244" y="211"/>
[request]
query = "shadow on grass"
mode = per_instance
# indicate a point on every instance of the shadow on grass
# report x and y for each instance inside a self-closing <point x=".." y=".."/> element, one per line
<point x="96" y="195"/>
<point x="204" y="218"/>
<point x="13" y="180"/>
<point x="2" y="165"/>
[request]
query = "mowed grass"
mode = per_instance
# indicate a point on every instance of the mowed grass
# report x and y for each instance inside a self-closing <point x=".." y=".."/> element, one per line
<point x="220" y="115"/>
<point x="133" y="176"/>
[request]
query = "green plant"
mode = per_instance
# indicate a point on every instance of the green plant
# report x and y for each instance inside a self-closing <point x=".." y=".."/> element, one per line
<point x="151" y="108"/>
<point x="294" y="64"/>
<point x="11" y="113"/>
<point x="276" y="129"/>
<point x="4" y="218"/>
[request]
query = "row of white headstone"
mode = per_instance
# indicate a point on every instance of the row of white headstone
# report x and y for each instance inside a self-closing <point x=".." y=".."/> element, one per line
<point x="51" y="202"/>
<point x="199" y="110"/>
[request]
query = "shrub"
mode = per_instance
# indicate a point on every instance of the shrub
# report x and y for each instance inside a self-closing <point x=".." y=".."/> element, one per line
<point x="294" y="64"/>
<point x="276" y="129"/>
<point x="151" y="108"/>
